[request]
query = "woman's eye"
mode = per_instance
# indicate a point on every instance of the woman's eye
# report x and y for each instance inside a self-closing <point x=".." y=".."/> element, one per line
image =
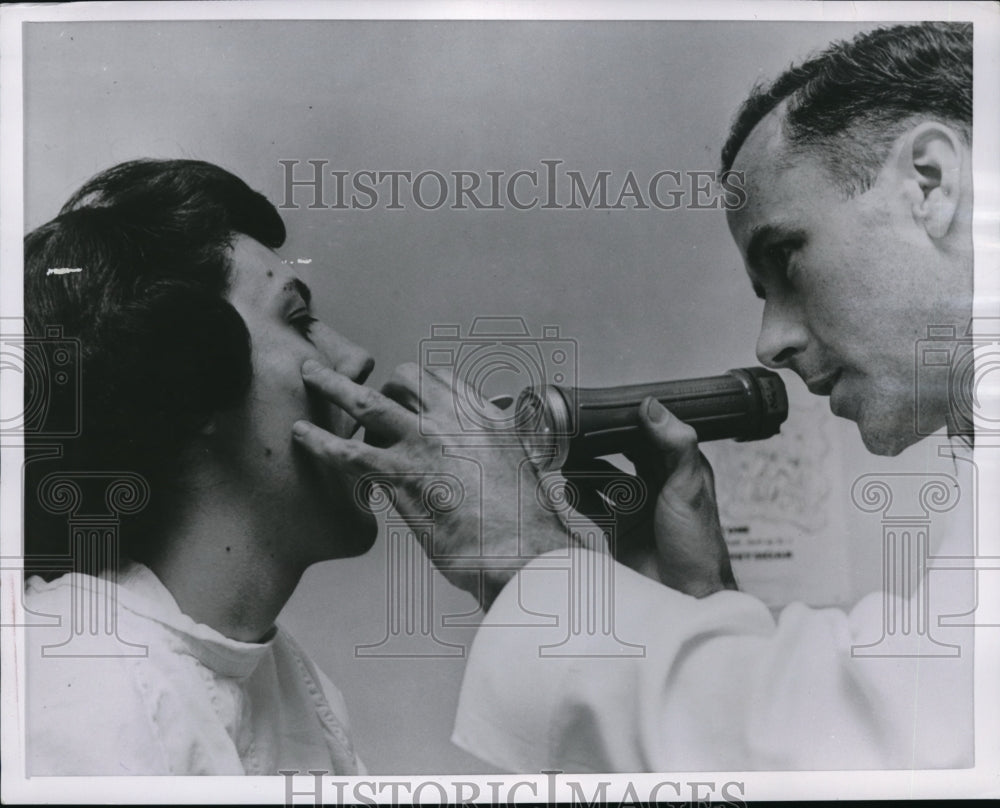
<point x="302" y="323"/>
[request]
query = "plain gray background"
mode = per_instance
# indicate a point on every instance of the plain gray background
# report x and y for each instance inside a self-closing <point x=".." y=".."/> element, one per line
<point x="646" y="294"/>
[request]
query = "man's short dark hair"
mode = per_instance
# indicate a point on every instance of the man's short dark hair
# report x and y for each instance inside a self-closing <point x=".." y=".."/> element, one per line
<point x="161" y="349"/>
<point x="849" y="103"/>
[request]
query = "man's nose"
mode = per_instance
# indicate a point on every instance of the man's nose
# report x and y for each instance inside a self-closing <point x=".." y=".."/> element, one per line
<point x="782" y="336"/>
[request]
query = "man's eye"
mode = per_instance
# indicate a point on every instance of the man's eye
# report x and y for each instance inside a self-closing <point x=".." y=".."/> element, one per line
<point x="303" y="323"/>
<point x="779" y="257"/>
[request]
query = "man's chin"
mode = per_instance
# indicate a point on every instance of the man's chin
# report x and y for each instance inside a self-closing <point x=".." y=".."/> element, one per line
<point x="887" y="440"/>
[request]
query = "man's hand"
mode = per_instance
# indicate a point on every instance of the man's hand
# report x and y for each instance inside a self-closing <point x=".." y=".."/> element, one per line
<point x="478" y="488"/>
<point x="676" y="538"/>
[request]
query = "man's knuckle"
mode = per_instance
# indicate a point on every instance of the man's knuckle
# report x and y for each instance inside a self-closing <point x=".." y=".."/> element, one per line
<point x="353" y="453"/>
<point x="368" y="401"/>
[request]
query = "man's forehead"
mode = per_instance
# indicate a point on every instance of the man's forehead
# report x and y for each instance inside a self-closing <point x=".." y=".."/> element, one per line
<point x="778" y="183"/>
<point x="766" y="140"/>
<point x="761" y="157"/>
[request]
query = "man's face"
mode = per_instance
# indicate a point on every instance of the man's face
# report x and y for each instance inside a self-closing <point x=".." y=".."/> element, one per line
<point x="850" y="285"/>
<point x="315" y="511"/>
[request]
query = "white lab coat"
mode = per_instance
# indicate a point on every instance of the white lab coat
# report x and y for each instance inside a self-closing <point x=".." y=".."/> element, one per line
<point x="716" y="683"/>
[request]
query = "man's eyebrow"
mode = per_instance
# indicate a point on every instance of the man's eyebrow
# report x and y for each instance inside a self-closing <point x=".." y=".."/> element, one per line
<point x="303" y="291"/>
<point x="761" y="237"/>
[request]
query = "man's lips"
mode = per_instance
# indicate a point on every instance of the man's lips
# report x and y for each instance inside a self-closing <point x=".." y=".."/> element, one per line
<point x="823" y="385"/>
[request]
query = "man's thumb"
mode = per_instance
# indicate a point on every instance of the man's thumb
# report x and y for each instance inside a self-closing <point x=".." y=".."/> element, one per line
<point x="666" y="431"/>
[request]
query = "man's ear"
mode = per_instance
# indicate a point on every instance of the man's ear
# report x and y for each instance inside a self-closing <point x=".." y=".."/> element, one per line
<point x="930" y="162"/>
<point x="208" y="428"/>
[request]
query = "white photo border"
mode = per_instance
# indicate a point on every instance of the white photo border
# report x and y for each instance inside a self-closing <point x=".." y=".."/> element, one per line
<point x="981" y="781"/>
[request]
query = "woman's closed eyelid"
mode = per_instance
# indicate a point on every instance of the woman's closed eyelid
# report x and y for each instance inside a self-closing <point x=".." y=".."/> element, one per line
<point x="302" y="321"/>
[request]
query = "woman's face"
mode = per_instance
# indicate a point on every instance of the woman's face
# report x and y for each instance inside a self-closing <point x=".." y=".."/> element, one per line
<point x="314" y="509"/>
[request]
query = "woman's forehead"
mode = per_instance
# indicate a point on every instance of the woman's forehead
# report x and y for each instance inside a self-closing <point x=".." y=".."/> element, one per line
<point x="257" y="274"/>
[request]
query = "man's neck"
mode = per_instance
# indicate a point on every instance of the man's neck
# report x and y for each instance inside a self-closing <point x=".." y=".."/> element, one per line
<point x="961" y="428"/>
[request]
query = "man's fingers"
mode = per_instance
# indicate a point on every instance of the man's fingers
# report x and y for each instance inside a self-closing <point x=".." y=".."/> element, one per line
<point x="591" y="477"/>
<point x="587" y="478"/>
<point x="441" y="388"/>
<point x="368" y="407"/>
<point x="590" y="466"/>
<point x="423" y="390"/>
<point x="403" y="387"/>
<point x="349" y="456"/>
<point x="648" y="464"/>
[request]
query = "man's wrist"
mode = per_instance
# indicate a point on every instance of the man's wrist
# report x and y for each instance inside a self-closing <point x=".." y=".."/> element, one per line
<point x="698" y="585"/>
<point x="544" y="538"/>
<point x="724" y="580"/>
<point x="493" y="583"/>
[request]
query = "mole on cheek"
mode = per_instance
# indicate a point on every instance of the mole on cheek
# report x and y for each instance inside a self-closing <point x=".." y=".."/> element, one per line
<point x="267" y="452"/>
<point x="270" y="273"/>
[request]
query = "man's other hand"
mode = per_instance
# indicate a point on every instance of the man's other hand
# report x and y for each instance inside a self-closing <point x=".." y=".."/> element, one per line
<point x="675" y="538"/>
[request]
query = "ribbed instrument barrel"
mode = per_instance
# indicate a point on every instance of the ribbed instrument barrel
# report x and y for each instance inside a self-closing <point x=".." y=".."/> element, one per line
<point x="564" y="423"/>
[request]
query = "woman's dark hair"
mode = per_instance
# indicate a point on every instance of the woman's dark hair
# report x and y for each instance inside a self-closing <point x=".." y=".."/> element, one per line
<point x="133" y="272"/>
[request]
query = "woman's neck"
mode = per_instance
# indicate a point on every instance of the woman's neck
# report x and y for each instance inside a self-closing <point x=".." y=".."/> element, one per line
<point x="228" y="568"/>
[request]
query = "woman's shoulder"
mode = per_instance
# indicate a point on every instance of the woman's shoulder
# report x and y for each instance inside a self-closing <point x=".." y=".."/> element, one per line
<point x="327" y="700"/>
<point x="87" y="706"/>
<point x="86" y="714"/>
<point x="285" y="645"/>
